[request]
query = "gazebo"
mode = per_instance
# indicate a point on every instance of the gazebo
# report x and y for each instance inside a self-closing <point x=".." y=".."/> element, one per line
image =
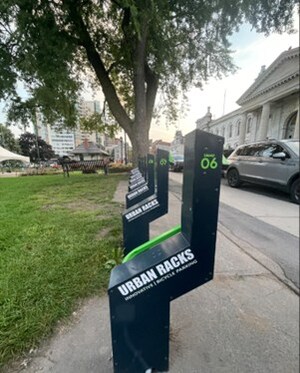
<point x="89" y="151"/>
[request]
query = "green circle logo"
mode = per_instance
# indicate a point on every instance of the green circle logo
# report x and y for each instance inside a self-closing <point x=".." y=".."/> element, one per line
<point x="150" y="161"/>
<point x="163" y="162"/>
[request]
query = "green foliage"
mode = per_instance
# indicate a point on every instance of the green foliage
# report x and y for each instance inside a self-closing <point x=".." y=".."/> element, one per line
<point x="117" y="257"/>
<point x="119" y="167"/>
<point x="131" y="48"/>
<point x="67" y="230"/>
<point x="35" y="148"/>
<point x="7" y="139"/>
<point x="95" y="122"/>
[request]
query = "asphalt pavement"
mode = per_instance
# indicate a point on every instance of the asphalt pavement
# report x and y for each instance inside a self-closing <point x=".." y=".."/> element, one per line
<point x="245" y="320"/>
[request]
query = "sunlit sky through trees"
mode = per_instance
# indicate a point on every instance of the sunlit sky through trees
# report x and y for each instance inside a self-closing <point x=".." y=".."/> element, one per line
<point x="250" y="51"/>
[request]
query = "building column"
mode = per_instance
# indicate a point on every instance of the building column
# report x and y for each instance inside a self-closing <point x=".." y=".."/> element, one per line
<point x="264" y="122"/>
<point x="242" y="129"/>
<point x="254" y="126"/>
<point x="296" y="131"/>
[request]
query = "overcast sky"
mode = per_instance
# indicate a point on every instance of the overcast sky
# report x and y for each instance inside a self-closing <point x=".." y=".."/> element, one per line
<point x="251" y="51"/>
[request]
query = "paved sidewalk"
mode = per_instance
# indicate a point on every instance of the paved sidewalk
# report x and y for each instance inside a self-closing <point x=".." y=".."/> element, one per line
<point x="246" y="320"/>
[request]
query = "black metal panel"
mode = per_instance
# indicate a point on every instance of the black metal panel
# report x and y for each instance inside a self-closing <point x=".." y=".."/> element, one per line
<point x="136" y="184"/>
<point x="145" y="190"/>
<point x="141" y="289"/>
<point x="131" y="323"/>
<point x="200" y="192"/>
<point x="134" y="177"/>
<point x="134" y="171"/>
<point x="136" y="219"/>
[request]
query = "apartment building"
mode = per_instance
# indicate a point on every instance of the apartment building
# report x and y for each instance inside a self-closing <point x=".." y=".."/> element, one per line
<point x="65" y="140"/>
<point x="61" y="140"/>
<point x="85" y="109"/>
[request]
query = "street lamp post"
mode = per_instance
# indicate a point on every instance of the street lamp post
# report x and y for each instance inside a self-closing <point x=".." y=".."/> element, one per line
<point x="36" y="138"/>
<point x="121" y="143"/>
<point x="125" y="148"/>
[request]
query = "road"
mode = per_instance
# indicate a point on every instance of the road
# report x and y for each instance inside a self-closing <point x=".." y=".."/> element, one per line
<point x="260" y="218"/>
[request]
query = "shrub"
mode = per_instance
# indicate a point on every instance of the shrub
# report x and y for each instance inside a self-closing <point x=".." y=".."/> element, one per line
<point x="119" y="167"/>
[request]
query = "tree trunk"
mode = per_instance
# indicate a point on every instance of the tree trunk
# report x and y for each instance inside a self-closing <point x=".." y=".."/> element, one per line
<point x="145" y="83"/>
<point x="140" y="142"/>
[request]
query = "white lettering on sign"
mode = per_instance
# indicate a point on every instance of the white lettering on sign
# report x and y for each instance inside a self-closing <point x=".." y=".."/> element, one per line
<point x="158" y="274"/>
<point x="137" y="192"/>
<point x="141" y="210"/>
<point x="175" y="262"/>
<point x="133" y="213"/>
<point x="133" y="186"/>
<point x="137" y="282"/>
<point x="150" y="204"/>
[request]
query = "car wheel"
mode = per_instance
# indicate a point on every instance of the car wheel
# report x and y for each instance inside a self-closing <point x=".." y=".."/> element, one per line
<point x="295" y="191"/>
<point x="233" y="178"/>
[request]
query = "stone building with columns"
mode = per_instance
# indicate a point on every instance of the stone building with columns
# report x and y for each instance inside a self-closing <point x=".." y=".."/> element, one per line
<point x="268" y="109"/>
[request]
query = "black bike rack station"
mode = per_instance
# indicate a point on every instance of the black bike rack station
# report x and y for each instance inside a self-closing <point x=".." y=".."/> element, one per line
<point x="136" y="219"/>
<point x="137" y="177"/>
<point x="146" y="189"/>
<point x="141" y="289"/>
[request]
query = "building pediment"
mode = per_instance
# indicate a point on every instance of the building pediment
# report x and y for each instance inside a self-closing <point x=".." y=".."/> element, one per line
<point x="281" y="74"/>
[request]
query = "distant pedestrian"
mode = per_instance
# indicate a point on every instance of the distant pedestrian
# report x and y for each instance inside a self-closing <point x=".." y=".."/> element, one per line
<point x="65" y="167"/>
<point x="105" y="166"/>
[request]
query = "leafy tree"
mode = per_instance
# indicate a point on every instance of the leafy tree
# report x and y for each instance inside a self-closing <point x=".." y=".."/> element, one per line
<point x="94" y="122"/>
<point x="28" y="143"/>
<point x="131" y="48"/>
<point x="7" y="139"/>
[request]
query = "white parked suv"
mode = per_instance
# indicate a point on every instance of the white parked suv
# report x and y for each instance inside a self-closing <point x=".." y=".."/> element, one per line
<point x="273" y="163"/>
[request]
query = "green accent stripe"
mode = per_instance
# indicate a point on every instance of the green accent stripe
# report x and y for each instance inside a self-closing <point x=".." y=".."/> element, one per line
<point x="149" y="244"/>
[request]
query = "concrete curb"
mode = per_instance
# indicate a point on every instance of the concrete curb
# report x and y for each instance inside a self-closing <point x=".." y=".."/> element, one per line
<point x="260" y="258"/>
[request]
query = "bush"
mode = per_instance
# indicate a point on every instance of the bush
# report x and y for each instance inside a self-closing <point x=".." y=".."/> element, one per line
<point x="41" y="171"/>
<point x="91" y="170"/>
<point x="119" y="167"/>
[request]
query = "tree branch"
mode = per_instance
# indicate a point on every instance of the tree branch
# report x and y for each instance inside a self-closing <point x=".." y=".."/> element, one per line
<point x="94" y="58"/>
<point x="139" y="76"/>
<point x="152" y="86"/>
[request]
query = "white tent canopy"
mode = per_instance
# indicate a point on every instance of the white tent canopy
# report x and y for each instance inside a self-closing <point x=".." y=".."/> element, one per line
<point x="6" y="155"/>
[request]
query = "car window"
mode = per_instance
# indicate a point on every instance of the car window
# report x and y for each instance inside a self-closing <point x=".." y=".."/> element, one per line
<point x="178" y="158"/>
<point x="269" y="149"/>
<point x="280" y="149"/>
<point x="251" y="150"/>
<point x="238" y="151"/>
<point x="254" y="150"/>
<point x="244" y="150"/>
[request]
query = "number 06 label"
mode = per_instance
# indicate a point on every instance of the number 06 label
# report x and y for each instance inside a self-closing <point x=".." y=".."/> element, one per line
<point x="208" y="162"/>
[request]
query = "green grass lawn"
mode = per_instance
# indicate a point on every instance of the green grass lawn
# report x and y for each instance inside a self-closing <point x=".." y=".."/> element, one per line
<point x="57" y="236"/>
